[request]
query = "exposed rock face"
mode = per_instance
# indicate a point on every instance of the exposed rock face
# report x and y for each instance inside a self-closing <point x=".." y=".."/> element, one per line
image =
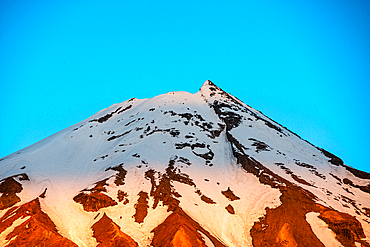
<point x="287" y="225"/>
<point x="109" y="234"/>
<point x="141" y="207"/>
<point x="229" y="194"/>
<point x="93" y="199"/>
<point x="36" y="228"/>
<point x="346" y="227"/>
<point x="181" y="169"/>
<point x="180" y="230"/>
<point x="122" y="196"/>
<point x="9" y="188"/>
<point x="230" y="209"/>
<point x="207" y="199"/>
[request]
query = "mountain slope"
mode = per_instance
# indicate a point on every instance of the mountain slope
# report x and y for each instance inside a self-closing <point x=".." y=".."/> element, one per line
<point x="185" y="169"/>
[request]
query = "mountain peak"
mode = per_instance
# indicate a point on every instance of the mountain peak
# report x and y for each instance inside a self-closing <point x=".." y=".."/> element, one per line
<point x="181" y="169"/>
<point x="209" y="84"/>
<point x="210" y="90"/>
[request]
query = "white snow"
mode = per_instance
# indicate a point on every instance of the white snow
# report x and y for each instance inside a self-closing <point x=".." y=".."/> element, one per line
<point x="321" y="230"/>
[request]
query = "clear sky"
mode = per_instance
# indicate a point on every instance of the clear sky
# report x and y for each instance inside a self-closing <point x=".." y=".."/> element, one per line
<point x="305" y="64"/>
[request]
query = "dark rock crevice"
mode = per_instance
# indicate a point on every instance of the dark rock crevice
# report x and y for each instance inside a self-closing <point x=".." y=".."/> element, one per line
<point x="109" y="115"/>
<point x="294" y="176"/>
<point x="365" y="189"/>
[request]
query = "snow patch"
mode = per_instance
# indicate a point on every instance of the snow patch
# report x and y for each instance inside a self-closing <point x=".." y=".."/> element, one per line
<point x="321" y="230"/>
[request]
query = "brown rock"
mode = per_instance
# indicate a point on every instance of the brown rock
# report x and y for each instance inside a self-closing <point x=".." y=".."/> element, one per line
<point x="229" y="194"/>
<point x="109" y="234"/>
<point x="207" y="199"/>
<point x="179" y="230"/>
<point x="300" y="180"/>
<point x="345" y="226"/>
<point x="164" y="190"/>
<point x="38" y="230"/>
<point x="141" y="207"/>
<point x="122" y="196"/>
<point x="286" y="225"/>
<point x="367" y="211"/>
<point x="9" y="187"/>
<point x="230" y="209"/>
<point x="43" y="195"/>
<point x="121" y="174"/>
<point x="94" y="201"/>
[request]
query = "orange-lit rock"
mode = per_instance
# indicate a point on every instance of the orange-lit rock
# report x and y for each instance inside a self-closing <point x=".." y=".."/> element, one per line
<point x="179" y="230"/>
<point x="286" y="225"/>
<point x="37" y="230"/>
<point x="109" y="234"/>
<point x="183" y="238"/>
<point x="345" y="226"/>
<point x="230" y="209"/>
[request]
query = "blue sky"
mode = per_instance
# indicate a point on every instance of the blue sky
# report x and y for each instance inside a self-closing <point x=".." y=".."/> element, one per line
<point x="305" y="64"/>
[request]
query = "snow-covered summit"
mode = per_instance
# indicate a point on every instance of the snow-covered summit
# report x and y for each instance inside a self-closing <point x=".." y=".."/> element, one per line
<point x="181" y="169"/>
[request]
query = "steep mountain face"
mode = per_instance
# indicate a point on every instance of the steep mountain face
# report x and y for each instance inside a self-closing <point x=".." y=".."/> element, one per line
<point x="181" y="169"/>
